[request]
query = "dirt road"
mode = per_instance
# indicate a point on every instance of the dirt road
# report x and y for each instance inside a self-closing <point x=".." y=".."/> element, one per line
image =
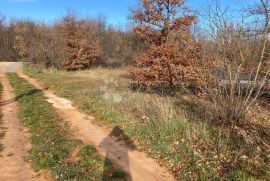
<point x="10" y="67"/>
<point x="138" y="166"/>
<point x="13" y="166"/>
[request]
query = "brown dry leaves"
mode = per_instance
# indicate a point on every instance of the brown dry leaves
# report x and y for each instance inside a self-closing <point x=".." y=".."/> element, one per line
<point x="80" y="52"/>
<point x="156" y="19"/>
<point x="164" y="64"/>
<point x="172" y="57"/>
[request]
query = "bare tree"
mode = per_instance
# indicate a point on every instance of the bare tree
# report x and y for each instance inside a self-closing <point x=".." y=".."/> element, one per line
<point x="241" y="65"/>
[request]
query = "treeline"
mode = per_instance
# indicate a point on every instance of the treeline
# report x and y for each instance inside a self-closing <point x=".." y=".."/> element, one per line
<point x="72" y="42"/>
<point x="229" y="54"/>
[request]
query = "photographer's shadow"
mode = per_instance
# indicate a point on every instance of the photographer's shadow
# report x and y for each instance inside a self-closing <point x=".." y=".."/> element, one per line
<point x="116" y="146"/>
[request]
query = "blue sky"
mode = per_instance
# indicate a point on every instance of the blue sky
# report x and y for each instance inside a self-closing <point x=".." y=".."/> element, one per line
<point x="116" y="11"/>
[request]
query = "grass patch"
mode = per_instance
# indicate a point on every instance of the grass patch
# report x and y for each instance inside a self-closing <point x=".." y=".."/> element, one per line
<point x="172" y="130"/>
<point x="52" y="145"/>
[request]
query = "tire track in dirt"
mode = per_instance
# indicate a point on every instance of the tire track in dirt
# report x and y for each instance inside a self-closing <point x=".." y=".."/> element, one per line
<point x="13" y="166"/>
<point x="136" y="164"/>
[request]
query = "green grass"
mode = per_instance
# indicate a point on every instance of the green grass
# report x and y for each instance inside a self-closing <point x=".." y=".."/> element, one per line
<point x="172" y="130"/>
<point x="51" y="142"/>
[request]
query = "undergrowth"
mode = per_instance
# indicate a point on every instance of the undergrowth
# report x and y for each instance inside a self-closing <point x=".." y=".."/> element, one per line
<point x="52" y="145"/>
<point x="170" y="129"/>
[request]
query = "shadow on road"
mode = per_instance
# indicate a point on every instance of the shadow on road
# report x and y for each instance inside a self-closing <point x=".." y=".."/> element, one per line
<point x="30" y="93"/>
<point x="119" y="135"/>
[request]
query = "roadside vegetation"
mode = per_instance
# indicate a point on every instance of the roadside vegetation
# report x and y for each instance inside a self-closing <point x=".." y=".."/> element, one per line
<point x="52" y="145"/>
<point x="190" y="87"/>
<point x="72" y="42"/>
<point x="2" y="130"/>
<point x="175" y="130"/>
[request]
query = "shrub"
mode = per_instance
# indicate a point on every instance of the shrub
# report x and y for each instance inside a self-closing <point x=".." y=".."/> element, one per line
<point x="80" y="53"/>
<point x="165" y="65"/>
<point x="169" y="61"/>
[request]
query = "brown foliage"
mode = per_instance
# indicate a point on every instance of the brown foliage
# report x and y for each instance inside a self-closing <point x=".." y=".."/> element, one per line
<point x="44" y="46"/>
<point x="171" y="58"/>
<point x="36" y="43"/>
<point x="157" y="20"/>
<point x="80" y="52"/>
<point x="7" y="38"/>
<point x="23" y="31"/>
<point x="48" y="51"/>
<point x="166" y="65"/>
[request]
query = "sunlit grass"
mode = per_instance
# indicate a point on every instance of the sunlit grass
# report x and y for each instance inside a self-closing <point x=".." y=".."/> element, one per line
<point x="173" y="130"/>
<point x="51" y="140"/>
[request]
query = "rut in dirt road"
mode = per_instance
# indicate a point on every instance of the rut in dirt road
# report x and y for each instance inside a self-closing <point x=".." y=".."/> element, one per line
<point x="136" y="164"/>
<point x="13" y="166"/>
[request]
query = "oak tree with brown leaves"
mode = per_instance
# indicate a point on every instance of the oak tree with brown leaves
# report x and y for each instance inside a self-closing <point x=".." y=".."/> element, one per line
<point x="157" y="21"/>
<point x="165" y="65"/>
<point x="164" y="25"/>
<point x="80" y="52"/>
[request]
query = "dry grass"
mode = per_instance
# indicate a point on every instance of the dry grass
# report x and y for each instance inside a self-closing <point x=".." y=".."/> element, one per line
<point x="174" y="130"/>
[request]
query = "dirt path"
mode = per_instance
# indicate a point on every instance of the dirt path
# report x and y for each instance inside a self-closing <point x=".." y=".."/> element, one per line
<point x="13" y="166"/>
<point x="136" y="164"/>
<point x="10" y="67"/>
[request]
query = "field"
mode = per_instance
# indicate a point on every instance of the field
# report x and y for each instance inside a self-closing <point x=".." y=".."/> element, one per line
<point x="141" y="90"/>
<point x="53" y="147"/>
<point x="175" y="130"/>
